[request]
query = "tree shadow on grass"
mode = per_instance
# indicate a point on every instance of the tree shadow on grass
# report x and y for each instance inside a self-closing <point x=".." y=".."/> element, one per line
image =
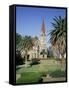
<point x="57" y="73"/>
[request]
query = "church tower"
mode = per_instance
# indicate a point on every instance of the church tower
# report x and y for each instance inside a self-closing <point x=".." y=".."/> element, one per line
<point x="43" y="39"/>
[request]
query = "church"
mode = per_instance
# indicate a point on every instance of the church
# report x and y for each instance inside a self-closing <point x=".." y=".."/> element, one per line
<point x="39" y="49"/>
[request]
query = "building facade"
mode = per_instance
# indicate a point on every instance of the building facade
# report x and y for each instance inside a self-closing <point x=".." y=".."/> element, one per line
<point x="39" y="49"/>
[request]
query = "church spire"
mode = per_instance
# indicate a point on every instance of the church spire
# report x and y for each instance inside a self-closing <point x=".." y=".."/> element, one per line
<point x="43" y="27"/>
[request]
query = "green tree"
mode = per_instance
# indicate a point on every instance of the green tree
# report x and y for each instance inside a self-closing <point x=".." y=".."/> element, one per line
<point x="43" y="52"/>
<point x="18" y="38"/>
<point x="18" y="41"/>
<point x="26" y="45"/>
<point x="37" y="45"/>
<point x="19" y="59"/>
<point x="58" y="35"/>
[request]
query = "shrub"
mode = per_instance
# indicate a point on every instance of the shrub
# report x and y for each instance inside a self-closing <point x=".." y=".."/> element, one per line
<point x="44" y="74"/>
<point x="19" y="59"/>
<point x="34" y="61"/>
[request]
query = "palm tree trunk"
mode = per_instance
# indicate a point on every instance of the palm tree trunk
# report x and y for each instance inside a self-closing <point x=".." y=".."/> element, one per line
<point x="62" y="60"/>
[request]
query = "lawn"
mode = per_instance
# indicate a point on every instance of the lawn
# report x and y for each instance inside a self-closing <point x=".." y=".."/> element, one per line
<point x="37" y="73"/>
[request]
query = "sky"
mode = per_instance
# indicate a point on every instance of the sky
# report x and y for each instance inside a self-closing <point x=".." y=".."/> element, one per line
<point x="29" y="20"/>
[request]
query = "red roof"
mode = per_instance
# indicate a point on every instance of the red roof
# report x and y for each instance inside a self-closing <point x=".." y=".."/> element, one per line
<point x="33" y="41"/>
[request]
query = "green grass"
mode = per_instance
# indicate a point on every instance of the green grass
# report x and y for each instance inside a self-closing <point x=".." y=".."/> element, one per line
<point x="29" y="77"/>
<point x="43" y="67"/>
<point x="34" y="73"/>
<point x="57" y="73"/>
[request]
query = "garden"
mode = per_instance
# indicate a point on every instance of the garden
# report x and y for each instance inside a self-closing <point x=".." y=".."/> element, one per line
<point x="45" y="71"/>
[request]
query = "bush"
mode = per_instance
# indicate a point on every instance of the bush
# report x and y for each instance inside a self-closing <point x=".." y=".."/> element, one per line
<point x="19" y="59"/>
<point x="34" y="61"/>
<point x="44" y="74"/>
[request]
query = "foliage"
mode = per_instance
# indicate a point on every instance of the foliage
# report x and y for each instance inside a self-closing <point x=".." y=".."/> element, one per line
<point x="25" y="45"/>
<point x="58" y="35"/>
<point x="19" y="59"/>
<point x="18" y="38"/>
<point x="18" y="41"/>
<point x="35" y="41"/>
<point x="43" y="52"/>
<point x="50" y="52"/>
<point x="34" y="62"/>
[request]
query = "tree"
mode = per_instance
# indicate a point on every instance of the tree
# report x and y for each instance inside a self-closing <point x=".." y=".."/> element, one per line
<point x="50" y="51"/>
<point x="18" y="38"/>
<point x="26" y="45"/>
<point x="18" y="41"/>
<point x="58" y="35"/>
<point x="37" y="45"/>
<point x="43" y="52"/>
<point x="19" y="59"/>
<point x="35" y="41"/>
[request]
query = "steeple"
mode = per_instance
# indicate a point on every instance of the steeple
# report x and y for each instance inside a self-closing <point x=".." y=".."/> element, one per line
<point x="43" y="40"/>
<point x="43" y="36"/>
<point x="43" y="27"/>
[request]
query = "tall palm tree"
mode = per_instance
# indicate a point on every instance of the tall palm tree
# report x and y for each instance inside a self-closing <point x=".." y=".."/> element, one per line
<point x="58" y="35"/>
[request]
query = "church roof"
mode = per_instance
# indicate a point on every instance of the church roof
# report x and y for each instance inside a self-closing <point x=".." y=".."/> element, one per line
<point x="43" y="27"/>
<point x="33" y="41"/>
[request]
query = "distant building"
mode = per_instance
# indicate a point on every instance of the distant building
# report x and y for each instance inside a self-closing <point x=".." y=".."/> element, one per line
<point x="39" y="49"/>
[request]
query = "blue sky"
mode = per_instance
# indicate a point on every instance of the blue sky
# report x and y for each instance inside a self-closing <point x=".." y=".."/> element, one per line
<point x="29" y="20"/>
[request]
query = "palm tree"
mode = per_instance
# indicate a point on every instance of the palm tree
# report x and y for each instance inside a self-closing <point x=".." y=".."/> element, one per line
<point x="58" y="35"/>
<point x="26" y="45"/>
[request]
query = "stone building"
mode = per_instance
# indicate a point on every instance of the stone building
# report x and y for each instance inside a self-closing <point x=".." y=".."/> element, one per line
<point x="39" y="49"/>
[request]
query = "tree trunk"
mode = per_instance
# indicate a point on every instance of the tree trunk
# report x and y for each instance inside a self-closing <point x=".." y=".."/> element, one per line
<point x="62" y="60"/>
<point x="26" y="59"/>
<point x="37" y="54"/>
